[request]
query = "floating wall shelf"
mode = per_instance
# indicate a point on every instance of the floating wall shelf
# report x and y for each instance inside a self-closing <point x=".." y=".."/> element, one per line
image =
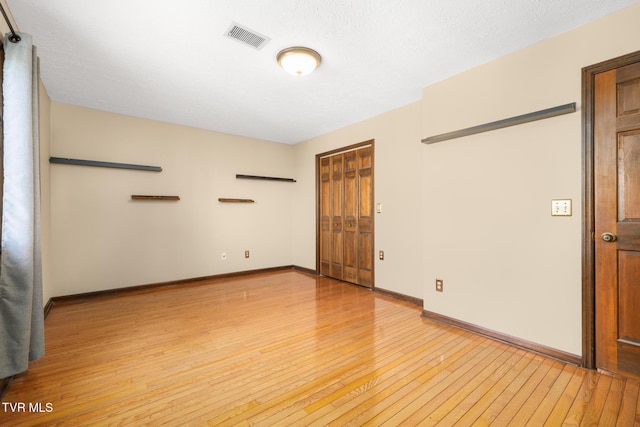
<point x="145" y="197"/>
<point x="224" y="200"/>
<point x="81" y="162"/>
<point x="264" y="178"/>
<point x="511" y="121"/>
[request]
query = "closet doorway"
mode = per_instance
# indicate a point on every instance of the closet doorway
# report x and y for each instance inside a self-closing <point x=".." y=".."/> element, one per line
<point x="345" y="223"/>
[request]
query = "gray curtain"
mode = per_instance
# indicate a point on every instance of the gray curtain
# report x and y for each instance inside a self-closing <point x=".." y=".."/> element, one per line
<point x="21" y="308"/>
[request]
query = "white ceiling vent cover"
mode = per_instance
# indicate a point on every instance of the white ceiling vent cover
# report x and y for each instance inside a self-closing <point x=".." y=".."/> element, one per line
<point x="246" y="36"/>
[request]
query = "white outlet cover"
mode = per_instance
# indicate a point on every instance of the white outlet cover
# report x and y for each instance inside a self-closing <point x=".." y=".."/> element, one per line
<point x="561" y="207"/>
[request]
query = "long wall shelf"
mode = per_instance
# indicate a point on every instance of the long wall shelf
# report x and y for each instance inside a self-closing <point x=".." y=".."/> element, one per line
<point x="226" y="200"/>
<point x="264" y="178"/>
<point x="511" y="121"/>
<point x="145" y="197"/>
<point x="80" y="162"/>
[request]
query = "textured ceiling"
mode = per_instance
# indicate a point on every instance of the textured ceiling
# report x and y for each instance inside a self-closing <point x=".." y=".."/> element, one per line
<point x="170" y="60"/>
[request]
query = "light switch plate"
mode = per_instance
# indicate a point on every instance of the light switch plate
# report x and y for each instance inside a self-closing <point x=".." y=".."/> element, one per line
<point x="561" y="207"/>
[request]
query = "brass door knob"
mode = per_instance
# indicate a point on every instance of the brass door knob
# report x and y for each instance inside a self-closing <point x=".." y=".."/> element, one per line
<point x="609" y="237"/>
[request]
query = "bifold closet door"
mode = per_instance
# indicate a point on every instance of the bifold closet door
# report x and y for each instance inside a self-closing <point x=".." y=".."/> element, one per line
<point x="346" y="216"/>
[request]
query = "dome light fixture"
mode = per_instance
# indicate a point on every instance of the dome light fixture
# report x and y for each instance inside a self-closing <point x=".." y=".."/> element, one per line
<point x="298" y="60"/>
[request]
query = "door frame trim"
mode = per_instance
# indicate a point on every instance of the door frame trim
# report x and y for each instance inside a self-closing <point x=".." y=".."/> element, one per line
<point x="588" y="202"/>
<point x="370" y="142"/>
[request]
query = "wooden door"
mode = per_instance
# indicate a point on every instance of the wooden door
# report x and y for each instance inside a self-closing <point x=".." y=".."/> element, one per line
<point x="616" y="136"/>
<point x="346" y="232"/>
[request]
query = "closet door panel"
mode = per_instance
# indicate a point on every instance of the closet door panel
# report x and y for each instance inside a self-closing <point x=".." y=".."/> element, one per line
<point x="337" y="198"/>
<point x="325" y="216"/>
<point x="351" y="217"/>
<point x="365" y="217"/>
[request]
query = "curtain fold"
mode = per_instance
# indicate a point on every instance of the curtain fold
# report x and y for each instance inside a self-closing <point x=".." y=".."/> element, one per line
<point x="21" y="308"/>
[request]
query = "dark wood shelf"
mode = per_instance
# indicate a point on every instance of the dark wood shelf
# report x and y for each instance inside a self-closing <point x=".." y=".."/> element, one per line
<point x="145" y="197"/>
<point x="225" y="200"/>
<point x="264" y="178"/>
<point x="511" y="121"/>
<point x="81" y="162"/>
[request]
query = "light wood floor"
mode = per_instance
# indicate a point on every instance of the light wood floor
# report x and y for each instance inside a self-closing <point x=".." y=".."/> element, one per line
<point x="286" y="349"/>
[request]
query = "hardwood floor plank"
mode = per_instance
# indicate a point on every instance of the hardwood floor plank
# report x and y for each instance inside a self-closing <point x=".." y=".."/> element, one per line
<point x="536" y="398"/>
<point x="582" y="399"/>
<point x="541" y="412"/>
<point x="594" y="410"/>
<point x="475" y="390"/>
<point x="630" y="405"/>
<point x="332" y="381"/>
<point x="287" y="348"/>
<point x="336" y="396"/>
<point x="450" y="406"/>
<point x="520" y="399"/>
<point x="358" y="382"/>
<point x="449" y="387"/>
<point x="434" y="385"/>
<point x="565" y="400"/>
<point x="506" y="395"/>
<point x="355" y="408"/>
<point x="484" y="402"/>
<point x="612" y="404"/>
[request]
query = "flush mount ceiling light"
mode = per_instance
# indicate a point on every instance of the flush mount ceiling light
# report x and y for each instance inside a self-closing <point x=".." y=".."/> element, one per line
<point x="298" y="61"/>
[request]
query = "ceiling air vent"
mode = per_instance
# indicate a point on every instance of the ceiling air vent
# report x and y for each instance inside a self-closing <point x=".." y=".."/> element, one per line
<point x="247" y="36"/>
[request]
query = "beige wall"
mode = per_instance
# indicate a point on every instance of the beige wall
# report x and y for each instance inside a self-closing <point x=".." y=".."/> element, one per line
<point x="507" y="265"/>
<point x="101" y="239"/>
<point x="397" y="187"/>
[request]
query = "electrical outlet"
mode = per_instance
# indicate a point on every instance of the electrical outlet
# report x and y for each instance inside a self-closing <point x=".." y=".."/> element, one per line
<point x="381" y="255"/>
<point x="223" y="256"/>
<point x="246" y="254"/>
<point x="561" y="207"/>
<point x="439" y="285"/>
